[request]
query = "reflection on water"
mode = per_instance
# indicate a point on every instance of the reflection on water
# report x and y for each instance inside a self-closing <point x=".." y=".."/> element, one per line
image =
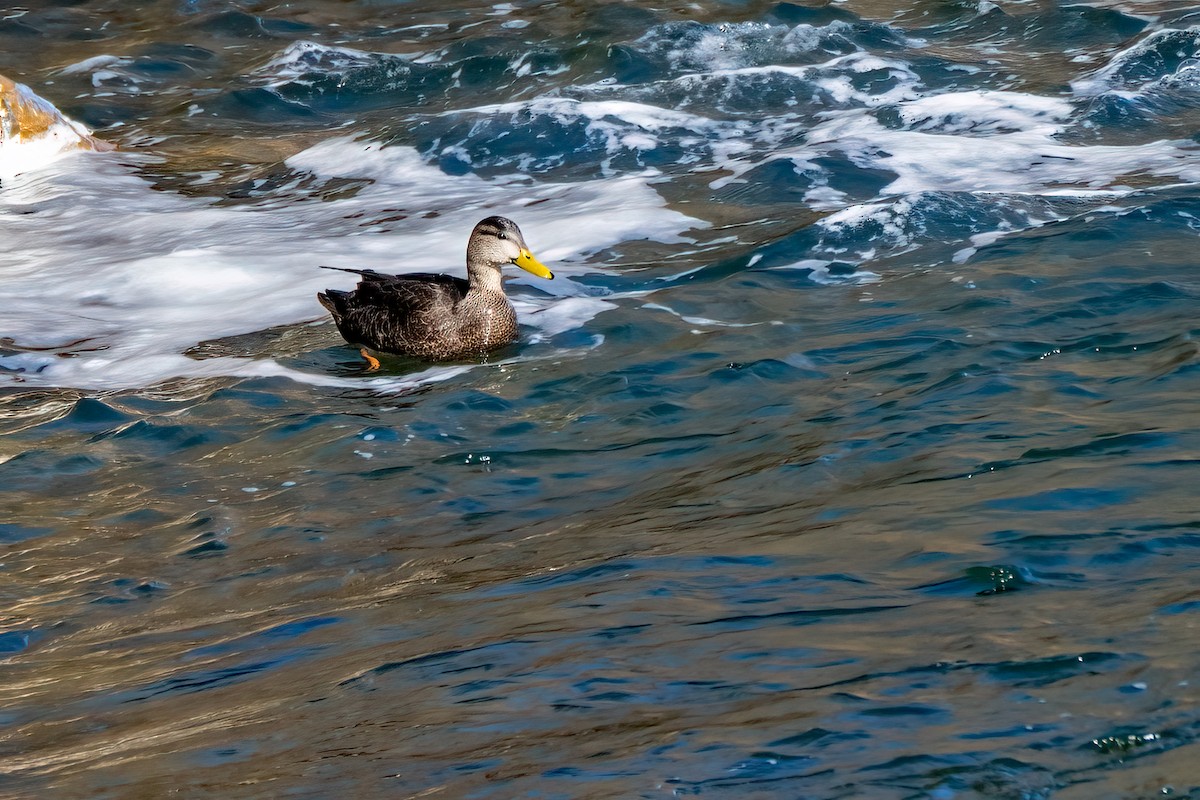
<point x="850" y="457"/>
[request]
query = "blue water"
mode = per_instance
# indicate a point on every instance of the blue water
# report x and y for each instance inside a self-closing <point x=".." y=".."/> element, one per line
<point x="851" y="453"/>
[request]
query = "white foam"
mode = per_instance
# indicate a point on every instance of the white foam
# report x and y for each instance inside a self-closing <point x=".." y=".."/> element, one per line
<point x="977" y="241"/>
<point x="819" y="272"/>
<point x="725" y="47"/>
<point x="860" y="277"/>
<point x="621" y="125"/>
<point x="297" y="62"/>
<point x="718" y="46"/>
<point x="89" y="65"/>
<point x="645" y="117"/>
<point x="978" y="142"/>
<point x="968" y="143"/>
<point x="1025" y="160"/>
<point x="1110" y="77"/>
<point x="838" y="80"/>
<point x="567" y="314"/>
<point x="705" y="321"/>
<point x="563" y="221"/>
<point x="32" y="154"/>
<point x="834" y="77"/>
<point x="987" y="113"/>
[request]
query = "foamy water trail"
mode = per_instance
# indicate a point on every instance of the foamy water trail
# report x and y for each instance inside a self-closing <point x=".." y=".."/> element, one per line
<point x="125" y="279"/>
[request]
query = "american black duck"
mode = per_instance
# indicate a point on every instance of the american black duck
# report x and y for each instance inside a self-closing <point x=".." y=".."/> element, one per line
<point x="437" y="317"/>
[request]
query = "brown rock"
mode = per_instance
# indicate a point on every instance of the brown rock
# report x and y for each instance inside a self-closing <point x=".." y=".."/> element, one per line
<point x="26" y="117"/>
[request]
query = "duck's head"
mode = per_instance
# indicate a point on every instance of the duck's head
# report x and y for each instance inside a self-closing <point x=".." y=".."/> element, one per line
<point x="497" y="241"/>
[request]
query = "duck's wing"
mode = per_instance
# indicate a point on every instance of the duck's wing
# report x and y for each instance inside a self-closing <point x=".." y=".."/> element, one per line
<point x="380" y="284"/>
<point x="394" y="312"/>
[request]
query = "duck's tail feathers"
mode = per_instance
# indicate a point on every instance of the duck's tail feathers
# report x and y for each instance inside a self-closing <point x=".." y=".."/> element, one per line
<point x="366" y="273"/>
<point x="334" y="300"/>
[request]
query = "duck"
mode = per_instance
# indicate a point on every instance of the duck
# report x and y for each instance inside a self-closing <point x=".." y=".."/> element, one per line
<point x="436" y="317"/>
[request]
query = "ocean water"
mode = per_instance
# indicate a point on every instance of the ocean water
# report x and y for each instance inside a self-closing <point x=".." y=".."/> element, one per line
<point x="852" y="452"/>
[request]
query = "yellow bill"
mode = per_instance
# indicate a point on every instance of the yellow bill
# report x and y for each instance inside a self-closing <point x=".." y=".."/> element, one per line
<point x="527" y="262"/>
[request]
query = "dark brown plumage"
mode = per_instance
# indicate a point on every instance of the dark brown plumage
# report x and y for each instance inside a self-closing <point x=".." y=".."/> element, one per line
<point x="437" y="317"/>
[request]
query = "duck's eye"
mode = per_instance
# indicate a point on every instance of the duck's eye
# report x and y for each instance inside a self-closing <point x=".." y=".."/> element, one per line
<point x="502" y="235"/>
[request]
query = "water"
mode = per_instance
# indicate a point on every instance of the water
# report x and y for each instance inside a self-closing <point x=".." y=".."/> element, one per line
<point x="851" y="453"/>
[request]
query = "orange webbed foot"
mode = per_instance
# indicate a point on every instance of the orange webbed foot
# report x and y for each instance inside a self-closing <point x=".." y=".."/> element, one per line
<point x="372" y="361"/>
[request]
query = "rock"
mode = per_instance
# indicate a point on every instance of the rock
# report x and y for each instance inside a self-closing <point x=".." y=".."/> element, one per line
<point x="33" y="131"/>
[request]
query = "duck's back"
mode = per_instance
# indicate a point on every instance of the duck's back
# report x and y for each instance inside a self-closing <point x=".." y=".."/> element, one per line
<point x="424" y="315"/>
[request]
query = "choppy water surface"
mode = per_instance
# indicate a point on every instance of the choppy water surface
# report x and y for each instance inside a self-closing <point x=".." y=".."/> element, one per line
<point x="852" y="454"/>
